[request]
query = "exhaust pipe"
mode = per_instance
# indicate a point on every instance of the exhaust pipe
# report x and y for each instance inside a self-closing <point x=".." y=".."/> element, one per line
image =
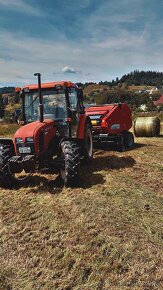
<point x="41" y="113"/>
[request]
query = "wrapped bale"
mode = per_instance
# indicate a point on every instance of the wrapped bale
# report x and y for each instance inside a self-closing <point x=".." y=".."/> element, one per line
<point x="147" y="127"/>
<point x="161" y="129"/>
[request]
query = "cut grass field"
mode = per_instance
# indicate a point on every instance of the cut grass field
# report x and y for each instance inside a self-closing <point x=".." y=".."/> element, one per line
<point x="105" y="234"/>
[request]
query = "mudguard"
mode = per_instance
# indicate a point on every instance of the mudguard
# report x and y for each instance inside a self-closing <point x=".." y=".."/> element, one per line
<point x="7" y="141"/>
<point x="81" y="128"/>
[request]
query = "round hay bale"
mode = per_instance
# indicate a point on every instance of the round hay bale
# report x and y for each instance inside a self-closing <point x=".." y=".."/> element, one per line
<point x="161" y="128"/>
<point x="147" y="127"/>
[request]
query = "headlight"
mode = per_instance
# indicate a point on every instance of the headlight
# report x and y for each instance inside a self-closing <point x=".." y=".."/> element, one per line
<point x="19" y="140"/>
<point x="30" y="139"/>
<point x="94" y="122"/>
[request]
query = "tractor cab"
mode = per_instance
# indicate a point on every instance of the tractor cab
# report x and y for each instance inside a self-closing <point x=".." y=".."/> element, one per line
<point x="54" y="105"/>
<point x="59" y="101"/>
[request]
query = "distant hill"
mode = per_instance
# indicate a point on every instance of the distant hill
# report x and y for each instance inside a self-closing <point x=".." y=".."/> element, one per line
<point x="93" y="87"/>
<point x="7" y="90"/>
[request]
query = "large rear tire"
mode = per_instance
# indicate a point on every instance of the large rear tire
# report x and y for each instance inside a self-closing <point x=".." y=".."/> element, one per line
<point x="6" y="152"/>
<point x="69" y="172"/>
<point x="88" y="143"/>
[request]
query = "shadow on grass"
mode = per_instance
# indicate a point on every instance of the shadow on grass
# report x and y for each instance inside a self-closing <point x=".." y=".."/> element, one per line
<point x="41" y="184"/>
<point x="139" y="145"/>
<point x="90" y="174"/>
<point x="106" y="147"/>
<point x="37" y="184"/>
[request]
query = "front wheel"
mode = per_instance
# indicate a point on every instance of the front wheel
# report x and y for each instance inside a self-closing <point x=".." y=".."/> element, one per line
<point x="6" y="152"/>
<point x="70" y="169"/>
<point x="7" y="178"/>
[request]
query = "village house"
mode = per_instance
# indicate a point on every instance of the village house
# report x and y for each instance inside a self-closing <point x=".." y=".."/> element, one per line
<point x="159" y="102"/>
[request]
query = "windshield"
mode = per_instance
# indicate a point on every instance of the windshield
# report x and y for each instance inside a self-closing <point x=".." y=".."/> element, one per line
<point x="54" y="103"/>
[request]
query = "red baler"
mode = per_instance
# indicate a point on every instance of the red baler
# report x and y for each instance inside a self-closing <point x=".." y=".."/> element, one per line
<point x="111" y="123"/>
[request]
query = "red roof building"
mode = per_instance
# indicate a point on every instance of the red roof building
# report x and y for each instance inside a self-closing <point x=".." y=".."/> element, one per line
<point x="159" y="102"/>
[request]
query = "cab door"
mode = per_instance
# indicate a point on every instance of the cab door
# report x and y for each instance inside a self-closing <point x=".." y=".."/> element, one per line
<point x="74" y="111"/>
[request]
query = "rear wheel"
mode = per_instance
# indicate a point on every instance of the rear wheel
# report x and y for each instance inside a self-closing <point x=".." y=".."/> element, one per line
<point x="120" y="146"/>
<point x="70" y="169"/>
<point x="88" y="143"/>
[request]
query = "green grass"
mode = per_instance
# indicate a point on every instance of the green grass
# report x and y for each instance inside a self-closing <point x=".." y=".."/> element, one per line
<point x="105" y="234"/>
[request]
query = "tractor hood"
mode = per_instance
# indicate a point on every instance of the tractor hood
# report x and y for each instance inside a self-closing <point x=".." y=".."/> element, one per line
<point x="38" y="133"/>
<point x="30" y="130"/>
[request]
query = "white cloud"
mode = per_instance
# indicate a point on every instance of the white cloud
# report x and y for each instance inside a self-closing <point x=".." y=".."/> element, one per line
<point x="69" y="69"/>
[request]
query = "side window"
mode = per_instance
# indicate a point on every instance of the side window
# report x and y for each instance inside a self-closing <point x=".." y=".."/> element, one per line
<point x="73" y="100"/>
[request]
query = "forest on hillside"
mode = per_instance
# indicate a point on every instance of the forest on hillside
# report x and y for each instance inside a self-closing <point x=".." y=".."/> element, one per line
<point x="149" y="78"/>
<point x="138" y="78"/>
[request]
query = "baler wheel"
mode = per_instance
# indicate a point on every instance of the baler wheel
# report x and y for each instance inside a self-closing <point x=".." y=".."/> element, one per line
<point x="6" y="152"/>
<point x="128" y="140"/>
<point x="120" y="145"/>
<point x="70" y="171"/>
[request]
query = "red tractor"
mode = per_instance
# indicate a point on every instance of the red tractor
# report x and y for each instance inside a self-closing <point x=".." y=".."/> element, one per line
<point x="56" y="134"/>
<point x="111" y="123"/>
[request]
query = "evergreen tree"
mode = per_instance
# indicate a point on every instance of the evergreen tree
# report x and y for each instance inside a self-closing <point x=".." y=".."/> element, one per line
<point x="1" y="107"/>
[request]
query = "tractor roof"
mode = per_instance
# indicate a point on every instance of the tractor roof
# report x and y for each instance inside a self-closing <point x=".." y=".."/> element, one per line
<point x="50" y="85"/>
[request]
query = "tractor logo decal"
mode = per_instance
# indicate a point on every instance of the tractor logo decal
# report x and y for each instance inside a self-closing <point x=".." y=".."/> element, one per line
<point x="115" y="126"/>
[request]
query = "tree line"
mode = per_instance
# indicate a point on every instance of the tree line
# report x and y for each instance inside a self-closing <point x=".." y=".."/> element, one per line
<point x="138" y="78"/>
<point x="122" y="95"/>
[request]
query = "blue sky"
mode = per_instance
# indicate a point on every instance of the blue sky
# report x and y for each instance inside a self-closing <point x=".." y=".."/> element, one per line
<point x="78" y="40"/>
